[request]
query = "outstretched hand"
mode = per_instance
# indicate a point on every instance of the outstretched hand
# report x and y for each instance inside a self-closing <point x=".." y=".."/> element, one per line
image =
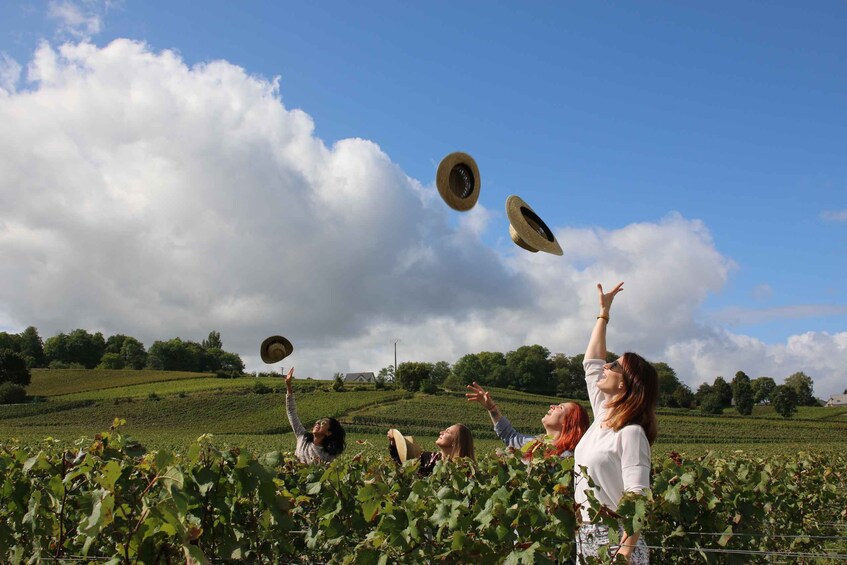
<point x="478" y="394"/>
<point x="607" y="298"/>
<point x="288" y="378"/>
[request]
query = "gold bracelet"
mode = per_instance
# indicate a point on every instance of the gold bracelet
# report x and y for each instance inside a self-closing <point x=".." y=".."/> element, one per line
<point x="604" y="317"/>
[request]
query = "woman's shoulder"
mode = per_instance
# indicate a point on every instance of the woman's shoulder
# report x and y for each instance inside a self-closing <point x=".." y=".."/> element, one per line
<point x="632" y="432"/>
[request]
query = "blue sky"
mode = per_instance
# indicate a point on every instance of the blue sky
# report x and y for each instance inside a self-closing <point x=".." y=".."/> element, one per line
<point x="725" y="117"/>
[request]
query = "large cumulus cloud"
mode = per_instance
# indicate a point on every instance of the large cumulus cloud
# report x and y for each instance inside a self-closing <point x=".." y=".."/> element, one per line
<point x="144" y="196"/>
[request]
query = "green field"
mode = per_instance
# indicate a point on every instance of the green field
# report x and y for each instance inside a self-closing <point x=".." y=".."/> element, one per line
<point x="171" y="409"/>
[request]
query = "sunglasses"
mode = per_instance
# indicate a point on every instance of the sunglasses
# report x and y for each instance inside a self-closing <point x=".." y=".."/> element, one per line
<point x="616" y="367"/>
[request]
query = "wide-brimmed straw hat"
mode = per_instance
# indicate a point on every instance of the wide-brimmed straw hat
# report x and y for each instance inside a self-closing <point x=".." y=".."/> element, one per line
<point x="458" y="181"/>
<point x="406" y="446"/>
<point x="275" y="348"/>
<point x="528" y="230"/>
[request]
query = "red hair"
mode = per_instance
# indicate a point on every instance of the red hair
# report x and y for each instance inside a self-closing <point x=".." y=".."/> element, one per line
<point x="574" y="425"/>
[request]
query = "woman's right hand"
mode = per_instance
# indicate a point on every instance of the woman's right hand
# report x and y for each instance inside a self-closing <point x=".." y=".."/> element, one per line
<point x="607" y="298"/>
<point x="478" y="394"/>
<point x="288" y="378"/>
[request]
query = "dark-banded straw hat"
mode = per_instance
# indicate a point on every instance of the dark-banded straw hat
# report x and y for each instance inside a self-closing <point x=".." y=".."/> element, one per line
<point x="275" y="348"/>
<point x="528" y="230"/>
<point x="458" y="181"/>
<point x="406" y="446"/>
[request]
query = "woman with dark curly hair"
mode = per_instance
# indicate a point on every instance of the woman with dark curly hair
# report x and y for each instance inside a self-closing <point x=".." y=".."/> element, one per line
<point x="615" y="451"/>
<point x="324" y="443"/>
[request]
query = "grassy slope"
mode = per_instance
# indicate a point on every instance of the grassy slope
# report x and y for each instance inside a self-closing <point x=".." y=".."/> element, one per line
<point x="81" y="403"/>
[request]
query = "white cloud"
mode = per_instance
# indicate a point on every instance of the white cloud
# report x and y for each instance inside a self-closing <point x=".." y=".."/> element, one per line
<point x="79" y="20"/>
<point x="10" y="74"/>
<point x="818" y="354"/>
<point x="834" y="215"/>
<point x="146" y="197"/>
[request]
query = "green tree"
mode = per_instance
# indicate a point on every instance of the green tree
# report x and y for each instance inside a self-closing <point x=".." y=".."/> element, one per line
<point x="338" y="382"/>
<point x="569" y="375"/>
<point x="411" y="374"/>
<point x="428" y="386"/>
<point x="13" y="368"/>
<point x="175" y="355"/>
<point x="11" y="393"/>
<point x="453" y="383"/>
<point x="532" y="370"/>
<point x="723" y="390"/>
<point x="703" y="390"/>
<point x="668" y="383"/>
<point x="803" y="387"/>
<point x="440" y="372"/>
<point x="495" y="370"/>
<point x="133" y="354"/>
<point x="32" y="348"/>
<point x="213" y="341"/>
<point x="784" y="401"/>
<point x="111" y="361"/>
<point x="742" y="393"/>
<point x="386" y="374"/>
<point x="468" y="369"/>
<point x="79" y="346"/>
<point x="683" y="397"/>
<point x="711" y="404"/>
<point x="762" y="389"/>
<point x="12" y="342"/>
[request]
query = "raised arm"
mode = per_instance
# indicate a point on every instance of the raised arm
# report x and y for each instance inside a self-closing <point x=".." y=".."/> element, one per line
<point x="597" y="343"/>
<point x="291" y="407"/>
<point x="478" y="394"/>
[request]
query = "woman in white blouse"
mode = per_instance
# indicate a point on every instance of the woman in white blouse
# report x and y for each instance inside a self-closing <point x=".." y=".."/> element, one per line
<point x="615" y="451"/>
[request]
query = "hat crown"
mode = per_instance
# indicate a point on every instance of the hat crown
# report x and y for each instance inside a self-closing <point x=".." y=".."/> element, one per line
<point x="458" y="181"/>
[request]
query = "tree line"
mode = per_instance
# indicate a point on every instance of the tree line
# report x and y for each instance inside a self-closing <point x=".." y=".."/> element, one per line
<point x="532" y="368"/>
<point x="80" y="349"/>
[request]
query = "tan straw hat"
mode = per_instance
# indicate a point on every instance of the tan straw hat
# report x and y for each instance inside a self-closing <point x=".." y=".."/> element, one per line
<point x="458" y="181"/>
<point x="275" y="348"/>
<point x="406" y="446"/>
<point x="528" y="230"/>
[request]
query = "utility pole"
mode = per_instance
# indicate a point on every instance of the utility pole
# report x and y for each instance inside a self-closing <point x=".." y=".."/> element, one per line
<point x="395" y="340"/>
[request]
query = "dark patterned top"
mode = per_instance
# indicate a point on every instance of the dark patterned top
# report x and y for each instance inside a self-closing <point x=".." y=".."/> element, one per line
<point x="428" y="459"/>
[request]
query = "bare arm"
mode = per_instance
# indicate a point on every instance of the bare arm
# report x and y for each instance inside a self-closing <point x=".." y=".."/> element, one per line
<point x="628" y="544"/>
<point x="597" y="343"/>
<point x="478" y="394"/>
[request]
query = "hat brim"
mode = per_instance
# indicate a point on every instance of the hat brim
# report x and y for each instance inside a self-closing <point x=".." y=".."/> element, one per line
<point x="275" y="349"/>
<point x="528" y="230"/>
<point x="406" y="446"/>
<point x="458" y="181"/>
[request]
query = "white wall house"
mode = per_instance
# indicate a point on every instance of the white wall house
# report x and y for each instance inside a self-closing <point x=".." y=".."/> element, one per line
<point x="837" y="400"/>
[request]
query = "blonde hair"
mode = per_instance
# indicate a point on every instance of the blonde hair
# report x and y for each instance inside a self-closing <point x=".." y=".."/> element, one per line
<point x="463" y="447"/>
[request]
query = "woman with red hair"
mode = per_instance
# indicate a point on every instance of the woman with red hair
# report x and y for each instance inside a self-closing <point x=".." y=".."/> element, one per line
<point x="564" y="425"/>
<point x="615" y="451"/>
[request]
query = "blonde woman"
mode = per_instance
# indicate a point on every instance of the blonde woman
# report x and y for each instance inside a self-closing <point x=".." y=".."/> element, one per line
<point x="453" y="442"/>
<point x="615" y="451"/>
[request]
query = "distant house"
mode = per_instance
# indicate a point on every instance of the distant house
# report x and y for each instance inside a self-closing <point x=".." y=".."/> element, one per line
<point x="837" y="400"/>
<point x="359" y="378"/>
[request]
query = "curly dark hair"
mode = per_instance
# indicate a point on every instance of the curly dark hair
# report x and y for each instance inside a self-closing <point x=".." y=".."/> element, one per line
<point x="334" y="442"/>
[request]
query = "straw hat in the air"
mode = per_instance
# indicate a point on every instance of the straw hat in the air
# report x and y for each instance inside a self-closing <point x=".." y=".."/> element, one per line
<point x="528" y="230"/>
<point x="458" y="181"/>
<point x="275" y="348"/>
